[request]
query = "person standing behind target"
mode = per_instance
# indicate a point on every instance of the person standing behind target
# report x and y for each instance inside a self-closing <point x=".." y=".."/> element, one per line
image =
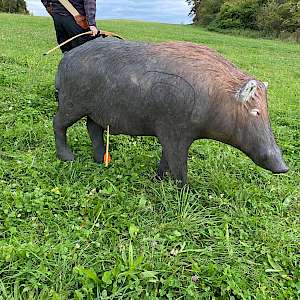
<point x="72" y="17"/>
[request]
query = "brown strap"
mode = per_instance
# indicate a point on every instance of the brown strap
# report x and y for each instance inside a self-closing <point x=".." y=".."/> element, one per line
<point x="80" y="20"/>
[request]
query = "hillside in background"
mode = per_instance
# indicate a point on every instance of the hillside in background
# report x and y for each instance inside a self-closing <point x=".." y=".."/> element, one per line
<point x="81" y="231"/>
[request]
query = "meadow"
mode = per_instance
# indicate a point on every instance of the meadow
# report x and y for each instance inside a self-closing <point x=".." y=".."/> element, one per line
<point x="82" y="231"/>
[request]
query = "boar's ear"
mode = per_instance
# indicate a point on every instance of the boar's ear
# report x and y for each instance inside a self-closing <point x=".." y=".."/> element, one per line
<point x="245" y="93"/>
<point x="266" y="84"/>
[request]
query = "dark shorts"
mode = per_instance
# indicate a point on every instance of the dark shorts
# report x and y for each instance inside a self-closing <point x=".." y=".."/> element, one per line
<point x="66" y="28"/>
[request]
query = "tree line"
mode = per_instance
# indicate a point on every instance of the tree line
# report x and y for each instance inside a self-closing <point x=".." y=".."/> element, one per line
<point x="269" y="16"/>
<point x="13" y="6"/>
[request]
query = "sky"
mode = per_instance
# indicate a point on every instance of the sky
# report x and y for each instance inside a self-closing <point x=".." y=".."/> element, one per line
<point x="165" y="11"/>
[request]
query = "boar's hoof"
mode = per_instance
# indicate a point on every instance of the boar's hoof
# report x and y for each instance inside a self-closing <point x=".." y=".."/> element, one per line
<point x="181" y="184"/>
<point x="66" y="156"/>
<point x="158" y="177"/>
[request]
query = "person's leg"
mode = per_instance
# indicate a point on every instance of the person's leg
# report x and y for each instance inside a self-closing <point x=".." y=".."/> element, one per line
<point x="74" y="29"/>
<point x="61" y="33"/>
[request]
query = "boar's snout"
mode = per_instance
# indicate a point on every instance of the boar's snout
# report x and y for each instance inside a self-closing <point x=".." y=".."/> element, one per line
<point x="272" y="160"/>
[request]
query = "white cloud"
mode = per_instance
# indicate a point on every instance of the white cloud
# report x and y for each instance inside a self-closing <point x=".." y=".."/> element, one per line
<point x="36" y="7"/>
<point x="168" y="11"/>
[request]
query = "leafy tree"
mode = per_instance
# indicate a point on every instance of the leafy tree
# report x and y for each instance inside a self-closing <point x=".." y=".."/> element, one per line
<point x="269" y="16"/>
<point x="238" y="14"/>
<point x="195" y="7"/>
<point x="208" y="11"/>
<point x="13" y="6"/>
<point x="279" y="16"/>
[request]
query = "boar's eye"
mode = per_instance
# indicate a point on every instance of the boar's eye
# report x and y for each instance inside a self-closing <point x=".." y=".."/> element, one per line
<point x="255" y="112"/>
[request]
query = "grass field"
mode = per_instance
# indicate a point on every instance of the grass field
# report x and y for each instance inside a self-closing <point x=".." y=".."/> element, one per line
<point x="80" y="231"/>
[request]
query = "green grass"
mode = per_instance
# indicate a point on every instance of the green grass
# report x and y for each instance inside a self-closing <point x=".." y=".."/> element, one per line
<point x="80" y="231"/>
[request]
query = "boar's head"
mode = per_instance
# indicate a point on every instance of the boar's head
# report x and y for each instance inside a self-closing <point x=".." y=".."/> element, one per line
<point x="243" y="122"/>
<point x="254" y="133"/>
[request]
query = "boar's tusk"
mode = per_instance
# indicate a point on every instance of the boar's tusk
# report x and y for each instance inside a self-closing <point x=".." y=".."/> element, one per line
<point x="255" y="112"/>
<point x="247" y="91"/>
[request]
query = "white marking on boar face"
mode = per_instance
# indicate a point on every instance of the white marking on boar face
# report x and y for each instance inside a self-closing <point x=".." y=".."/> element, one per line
<point x="247" y="91"/>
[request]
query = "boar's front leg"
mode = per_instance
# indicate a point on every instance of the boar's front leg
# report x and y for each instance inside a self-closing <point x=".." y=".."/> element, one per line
<point x="175" y="150"/>
<point x="96" y="135"/>
<point x="163" y="167"/>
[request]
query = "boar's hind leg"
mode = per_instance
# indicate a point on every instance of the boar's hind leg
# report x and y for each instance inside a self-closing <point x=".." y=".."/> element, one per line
<point x="96" y="135"/>
<point x="61" y="122"/>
